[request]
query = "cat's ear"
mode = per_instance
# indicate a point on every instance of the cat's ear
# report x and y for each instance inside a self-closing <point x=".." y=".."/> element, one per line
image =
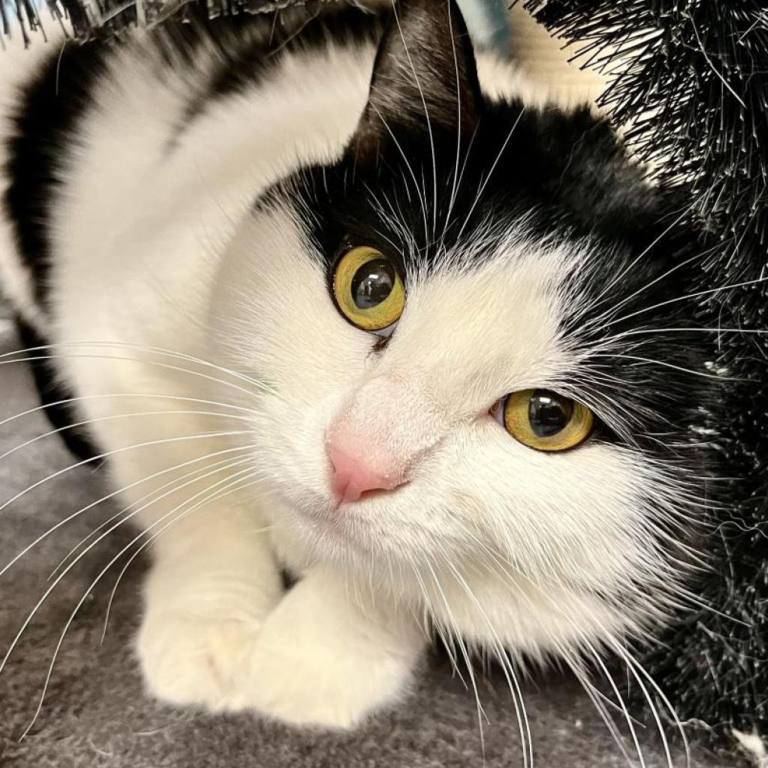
<point x="424" y="77"/>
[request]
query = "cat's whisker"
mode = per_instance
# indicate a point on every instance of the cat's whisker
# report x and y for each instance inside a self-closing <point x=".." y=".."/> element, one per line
<point x="640" y="671"/>
<point x="387" y="218"/>
<point x="681" y="329"/>
<point x="150" y="540"/>
<point x="655" y="715"/>
<point x="506" y="664"/>
<point x="635" y="261"/>
<point x="685" y="297"/>
<point x="142" y="361"/>
<point x="464" y="652"/>
<point x="71" y="565"/>
<point x="605" y="671"/>
<point x="664" y="364"/>
<point x="175" y="484"/>
<point x="597" y="658"/>
<point x="72" y="516"/>
<point x="118" y="396"/>
<point x="408" y="166"/>
<point x="232" y="486"/>
<point x="445" y="637"/>
<point x="455" y="179"/>
<point x="117" y="451"/>
<point x="600" y="700"/>
<point x="260" y="386"/>
<point x="116" y="417"/>
<point x="623" y="705"/>
<point x="488" y="176"/>
<point x="432" y="149"/>
<point x="594" y="303"/>
<point x="464" y="163"/>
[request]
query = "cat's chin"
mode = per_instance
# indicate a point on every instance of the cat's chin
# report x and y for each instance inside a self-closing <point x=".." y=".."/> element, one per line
<point x="343" y="533"/>
<point x="343" y="525"/>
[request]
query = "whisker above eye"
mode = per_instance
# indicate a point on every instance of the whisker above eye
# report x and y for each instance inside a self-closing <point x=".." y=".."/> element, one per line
<point x="408" y="166"/>
<point x="488" y="176"/>
<point x="426" y="115"/>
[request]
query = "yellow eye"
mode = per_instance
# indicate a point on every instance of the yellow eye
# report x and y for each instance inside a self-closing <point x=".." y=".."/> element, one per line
<point x="546" y="421"/>
<point x="367" y="289"/>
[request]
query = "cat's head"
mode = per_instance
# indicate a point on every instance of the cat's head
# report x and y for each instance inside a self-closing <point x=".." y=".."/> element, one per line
<point x="476" y="332"/>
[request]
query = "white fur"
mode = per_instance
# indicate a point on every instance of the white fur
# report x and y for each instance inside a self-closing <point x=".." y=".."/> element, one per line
<point x="754" y="746"/>
<point x="158" y="249"/>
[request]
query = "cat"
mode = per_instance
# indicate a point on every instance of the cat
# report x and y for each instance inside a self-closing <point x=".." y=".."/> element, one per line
<point x="348" y="301"/>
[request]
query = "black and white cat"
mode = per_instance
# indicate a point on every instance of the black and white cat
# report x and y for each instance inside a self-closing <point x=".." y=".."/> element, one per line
<point x="348" y="303"/>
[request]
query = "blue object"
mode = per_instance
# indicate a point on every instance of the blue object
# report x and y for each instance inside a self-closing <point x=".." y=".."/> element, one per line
<point x="488" y="23"/>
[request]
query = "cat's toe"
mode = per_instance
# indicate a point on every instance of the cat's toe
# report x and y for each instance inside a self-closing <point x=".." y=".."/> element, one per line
<point x="190" y="660"/>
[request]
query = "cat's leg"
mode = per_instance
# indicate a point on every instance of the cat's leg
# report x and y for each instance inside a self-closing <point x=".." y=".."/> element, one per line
<point x="329" y="654"/>
<point x="212" y="583"/>
<point x="183" y="475"/>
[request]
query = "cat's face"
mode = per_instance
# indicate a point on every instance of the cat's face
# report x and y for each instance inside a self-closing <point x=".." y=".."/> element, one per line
<point x="467" y="329"/>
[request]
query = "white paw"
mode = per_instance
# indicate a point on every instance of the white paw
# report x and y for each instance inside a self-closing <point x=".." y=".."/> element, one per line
<point x="310" y="681"/>
<point x="188" y="659"/>
<point x="311" y="658"/>
<point x="321" y="659"/>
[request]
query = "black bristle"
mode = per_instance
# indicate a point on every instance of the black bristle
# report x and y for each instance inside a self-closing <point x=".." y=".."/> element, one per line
<point x="689" y="86"/>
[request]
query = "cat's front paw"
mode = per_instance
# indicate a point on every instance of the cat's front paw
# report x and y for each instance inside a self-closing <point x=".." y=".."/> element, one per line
<point x="314" y="681"/>
<point x="195" y="660"/>
<point x="322" y="660"/>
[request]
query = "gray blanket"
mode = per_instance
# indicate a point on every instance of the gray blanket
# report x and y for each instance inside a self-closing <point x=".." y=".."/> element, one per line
<point x="95" y="713"/>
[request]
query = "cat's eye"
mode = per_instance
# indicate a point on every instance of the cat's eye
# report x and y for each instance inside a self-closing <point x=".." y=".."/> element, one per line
<point x="546" y="421"/>
<point x="367" y="289"/>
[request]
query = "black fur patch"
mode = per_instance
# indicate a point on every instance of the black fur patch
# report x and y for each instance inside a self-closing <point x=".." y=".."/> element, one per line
<point x="61" y="415"/>
<point x="249" y="47"/>
<point x="45" y="126"/>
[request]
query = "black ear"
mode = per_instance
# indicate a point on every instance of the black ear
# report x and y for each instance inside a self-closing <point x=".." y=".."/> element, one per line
<point x="424" y="76"/>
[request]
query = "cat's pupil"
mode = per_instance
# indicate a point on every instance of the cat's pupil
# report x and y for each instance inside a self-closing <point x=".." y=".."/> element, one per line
<point x="548" y="413"/>
<point x="372" y="283"/>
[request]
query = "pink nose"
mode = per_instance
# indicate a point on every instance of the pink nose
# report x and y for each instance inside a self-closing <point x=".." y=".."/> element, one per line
<point x="352" y="477"/>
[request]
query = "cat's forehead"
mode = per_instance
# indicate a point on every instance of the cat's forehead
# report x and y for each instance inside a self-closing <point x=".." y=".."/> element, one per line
<point x="475" y="329"/>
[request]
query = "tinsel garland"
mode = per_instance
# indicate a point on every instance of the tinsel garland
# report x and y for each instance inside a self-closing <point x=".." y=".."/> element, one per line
<point x="82" y="18"/>
<point x="689" y="87"/>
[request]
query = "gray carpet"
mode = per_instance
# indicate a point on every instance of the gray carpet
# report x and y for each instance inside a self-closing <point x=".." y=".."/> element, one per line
<point x="96" y="715"/>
